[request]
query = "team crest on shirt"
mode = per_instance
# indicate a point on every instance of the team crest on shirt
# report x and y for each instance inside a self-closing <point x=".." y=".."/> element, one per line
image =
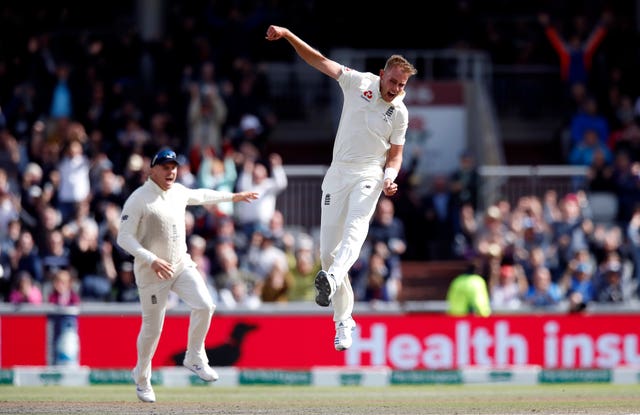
<point x="367" y="95"/>
<point x="124" y="217"/>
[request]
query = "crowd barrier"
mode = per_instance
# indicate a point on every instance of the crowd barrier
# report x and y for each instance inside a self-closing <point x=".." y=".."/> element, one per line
<point x="393" y="344"/>
<point x="320" y="376"/>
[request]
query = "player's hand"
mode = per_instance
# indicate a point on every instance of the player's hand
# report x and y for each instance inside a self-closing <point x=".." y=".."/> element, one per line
<point x="275" y="32"/>
<point x="162" y="268"/>
<point x="389" y="188"/>
<point x="245" y="196"/>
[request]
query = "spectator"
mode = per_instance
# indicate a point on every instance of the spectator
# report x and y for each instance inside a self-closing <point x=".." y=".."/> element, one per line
<point x="87" y="259"/>
<point x="588" y="149"/>
<point x="226" y="233"/>
<point x="82" y="216"/>
<point x="587" y="118"/>
<point x="206" y="114"/>
<point x="576" y="56"/>
<point x="26" y="290"/>
<point x="578" y="283"/>
<point x="62" y="97"/>
<point x="31" y="192"/>
<point x="303" y="271"/>
<point x="530" y="229"/>
<point x="543" y="292"/>
<point x="493" y="239"/>
<point x="466" y="232"/>
<point x="508" y="289"/>
<point x="132" y="137"/>
<point x="63" y="291"/>
<point x="197" y="246"/>
<point x="74" y="184"/>
<point x="275" y="286"/>
<point x="377" y="280"/>
<point x="468" y="295"/>
<point x="218" y="174"/>
<point x="25" y="257"/>
<point x="255" y="175"/>
<point x="626" y="135"/>
<point x="110" y="190"/>
<point x="125" y="289"/>
<point x="465" y="180"/>
<point x="440" y="210"/>
<point x="230" y="272"/>
<point x="185" y="174"/>
<point x="9" y="204"/>
<point x="56" y="256"/>
<point x="236" y="294"/>
<point x="571" y="232"/>
<point x="611" y="290"/>
<point x="600" y="172"/>
<point x="537" y="257"/>
<point x="386" y="228"/>
<point x="626" y="176"/>
<point x="250" y="134"/>
<point x="263" y="254"/>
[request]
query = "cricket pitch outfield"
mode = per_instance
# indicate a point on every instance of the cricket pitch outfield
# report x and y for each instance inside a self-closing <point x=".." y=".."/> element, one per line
<point x="301" y="400"/>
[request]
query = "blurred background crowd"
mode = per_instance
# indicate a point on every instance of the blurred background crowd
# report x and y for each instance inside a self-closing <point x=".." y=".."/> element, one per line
<point x="87" y="96"/>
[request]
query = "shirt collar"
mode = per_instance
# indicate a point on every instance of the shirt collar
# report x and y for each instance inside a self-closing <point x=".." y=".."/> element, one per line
<point x="154" y="186"/>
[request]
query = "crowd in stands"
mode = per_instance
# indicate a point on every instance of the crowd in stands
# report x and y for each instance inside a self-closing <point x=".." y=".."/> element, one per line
<point x="78" y="125"/>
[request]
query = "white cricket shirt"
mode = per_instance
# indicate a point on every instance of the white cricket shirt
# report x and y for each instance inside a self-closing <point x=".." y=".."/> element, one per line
<point x="368" y="124"/>
<point x="152" y="224"/>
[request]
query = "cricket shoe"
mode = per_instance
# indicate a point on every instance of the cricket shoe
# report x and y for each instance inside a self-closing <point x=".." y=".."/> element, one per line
<point x="204" y="371"/>
<point x="343" y="339"/>
<point x="143" y="390"/>
<point x="325" y="287"/>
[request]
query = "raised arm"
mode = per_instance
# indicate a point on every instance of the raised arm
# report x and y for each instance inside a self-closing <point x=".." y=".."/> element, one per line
<point x="310" y="55"/>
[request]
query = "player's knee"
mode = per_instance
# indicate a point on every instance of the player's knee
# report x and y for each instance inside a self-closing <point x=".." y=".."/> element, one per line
<point x="205" y="309"/>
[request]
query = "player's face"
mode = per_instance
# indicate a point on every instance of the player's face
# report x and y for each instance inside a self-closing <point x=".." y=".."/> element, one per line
<point x="392" y="83"/>
<point x="164" y="175"/>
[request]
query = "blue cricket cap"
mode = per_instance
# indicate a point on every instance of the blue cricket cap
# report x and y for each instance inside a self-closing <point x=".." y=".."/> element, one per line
<point x="164" y="156"/>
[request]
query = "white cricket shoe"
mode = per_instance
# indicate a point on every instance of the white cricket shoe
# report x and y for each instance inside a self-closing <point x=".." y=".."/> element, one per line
<point x="204" y="371"/>
<point x="325" y="287"/>
<point x="343" y="339"/>
<point x="143" y="390"/>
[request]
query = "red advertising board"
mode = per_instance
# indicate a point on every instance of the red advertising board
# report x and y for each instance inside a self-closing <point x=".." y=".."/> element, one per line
<point x="23" y="340"/>
<point x="403" y="342"/>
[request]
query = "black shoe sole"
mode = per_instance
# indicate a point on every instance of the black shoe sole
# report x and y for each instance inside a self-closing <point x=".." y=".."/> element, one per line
<point x="324" y="289"/>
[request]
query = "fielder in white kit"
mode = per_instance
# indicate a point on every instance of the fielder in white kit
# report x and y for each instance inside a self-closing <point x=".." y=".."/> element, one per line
<point x="367" y="155"/>
<point x="153" y="230"/>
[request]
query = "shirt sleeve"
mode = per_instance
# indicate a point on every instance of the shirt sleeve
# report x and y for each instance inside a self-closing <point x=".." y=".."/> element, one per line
<point x="400" y="125"/>
<point x="129" y="222"/>
<point x="207" y="196"/>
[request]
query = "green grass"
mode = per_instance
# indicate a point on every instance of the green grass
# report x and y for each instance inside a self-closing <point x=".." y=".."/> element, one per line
<point x="431" y="399"/>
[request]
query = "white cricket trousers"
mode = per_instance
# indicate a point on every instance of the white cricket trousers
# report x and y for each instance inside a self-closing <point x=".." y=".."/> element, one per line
<point x="349" y="197"/>
<point x="191" y="288"/>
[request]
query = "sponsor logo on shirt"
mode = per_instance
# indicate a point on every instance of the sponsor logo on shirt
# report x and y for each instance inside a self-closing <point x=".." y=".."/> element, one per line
<point x="367" y="95"/>
<point x="124" y="217"/>
<point x="327" y="199"/>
